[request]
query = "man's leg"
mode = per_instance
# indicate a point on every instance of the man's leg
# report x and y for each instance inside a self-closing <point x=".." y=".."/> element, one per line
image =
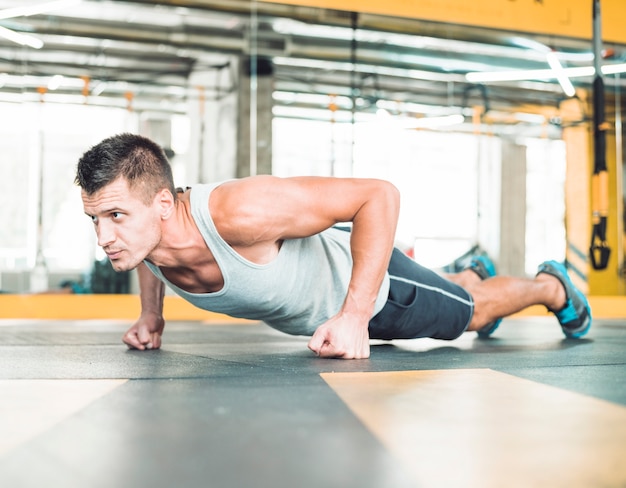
<point x="466" y="278"/>
<point x="501" y="296"/>
<point x="482" y="267"/>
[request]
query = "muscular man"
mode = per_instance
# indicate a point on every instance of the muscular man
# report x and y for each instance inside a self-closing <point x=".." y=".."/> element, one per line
<point x="274" y="249"/>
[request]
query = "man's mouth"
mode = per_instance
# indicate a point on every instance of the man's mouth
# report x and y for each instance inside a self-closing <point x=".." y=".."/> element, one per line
<point x="113" y="254"/>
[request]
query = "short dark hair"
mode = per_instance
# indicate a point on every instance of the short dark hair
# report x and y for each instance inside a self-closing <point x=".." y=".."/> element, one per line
<point x="139" y="160"/>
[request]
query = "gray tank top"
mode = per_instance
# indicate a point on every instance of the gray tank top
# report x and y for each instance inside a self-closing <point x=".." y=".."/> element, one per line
<point x="299" y="290"/>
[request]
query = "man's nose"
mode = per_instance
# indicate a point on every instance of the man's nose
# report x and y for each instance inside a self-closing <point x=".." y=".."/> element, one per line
<point x="105" y="233"/>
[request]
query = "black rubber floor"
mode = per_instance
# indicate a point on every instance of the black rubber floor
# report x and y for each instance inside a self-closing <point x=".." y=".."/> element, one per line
<point x="244" y="406"/>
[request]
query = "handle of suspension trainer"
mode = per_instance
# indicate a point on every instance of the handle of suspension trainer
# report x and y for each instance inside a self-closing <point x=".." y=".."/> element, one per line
<point x="599" y="251"/>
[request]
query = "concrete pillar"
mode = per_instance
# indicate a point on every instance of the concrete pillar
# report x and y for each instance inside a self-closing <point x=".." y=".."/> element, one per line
<point x="489" y="181"/>
<point x="513" y="210"/>
<point x="213" y="131"/>
<point x="255" y="123"/>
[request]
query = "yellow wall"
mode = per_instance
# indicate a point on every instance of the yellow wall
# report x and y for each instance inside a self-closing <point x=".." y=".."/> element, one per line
<point x="579" y="143"/>
<point x="126" y="308"/>
<point x="89" y="307"/>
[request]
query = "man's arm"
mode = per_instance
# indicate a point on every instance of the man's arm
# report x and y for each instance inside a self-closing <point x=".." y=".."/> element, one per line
<point x="374" y="225"/>
<point x="146" y="332"/>
<point x="267" y="209"/>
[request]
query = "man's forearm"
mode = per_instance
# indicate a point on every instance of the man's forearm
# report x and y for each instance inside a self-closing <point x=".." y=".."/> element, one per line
<point x="372" y="241"/>
<point x="151" y="291"/>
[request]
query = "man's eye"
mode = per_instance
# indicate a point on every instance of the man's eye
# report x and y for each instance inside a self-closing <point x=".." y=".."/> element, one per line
<point x="94" y="219"/>
<point x="116" y="215"/>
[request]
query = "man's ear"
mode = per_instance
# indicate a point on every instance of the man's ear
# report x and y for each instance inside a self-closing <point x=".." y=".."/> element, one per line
<point x="166" y="203"/>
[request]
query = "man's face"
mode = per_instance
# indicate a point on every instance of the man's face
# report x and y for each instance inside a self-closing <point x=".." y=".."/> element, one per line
<point x="128" y="230"/>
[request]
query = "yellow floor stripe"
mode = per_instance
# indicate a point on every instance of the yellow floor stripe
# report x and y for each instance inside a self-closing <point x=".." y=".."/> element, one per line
<point x="30" y="407"/>
<point x="481" y="428"/>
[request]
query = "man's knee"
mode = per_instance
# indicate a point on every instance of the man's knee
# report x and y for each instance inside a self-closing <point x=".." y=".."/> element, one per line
<point x="482" y="309"/>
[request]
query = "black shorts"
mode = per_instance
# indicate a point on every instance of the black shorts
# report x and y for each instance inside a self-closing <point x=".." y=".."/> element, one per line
<point x="421" y="303"/>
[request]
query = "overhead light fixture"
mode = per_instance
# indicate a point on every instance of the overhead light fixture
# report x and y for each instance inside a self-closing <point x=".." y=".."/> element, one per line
<point x="434" y="122"/>
<point x="21" y="39"/>
<point x="539" y="48"/>
<point x="367" y="69"/>
<point x="541" y="74"/>
<point x="99" y="88"/>
<point x="55" y="82"/>
<point x="613" y="69"/>
<point x="39" y="8"/>
<point x="383" y="113"/>
<point x="560" y="74"/>
<point x="28" y="10"/>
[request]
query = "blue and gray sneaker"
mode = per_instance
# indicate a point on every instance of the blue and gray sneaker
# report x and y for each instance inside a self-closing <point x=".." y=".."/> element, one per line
<point x="484" y="267"/>
<point x="575" y="316"/>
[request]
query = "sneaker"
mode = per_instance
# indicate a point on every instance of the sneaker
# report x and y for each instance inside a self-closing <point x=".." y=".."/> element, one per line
<point x="484" y="267"/>
<point x="575" y="316"/>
